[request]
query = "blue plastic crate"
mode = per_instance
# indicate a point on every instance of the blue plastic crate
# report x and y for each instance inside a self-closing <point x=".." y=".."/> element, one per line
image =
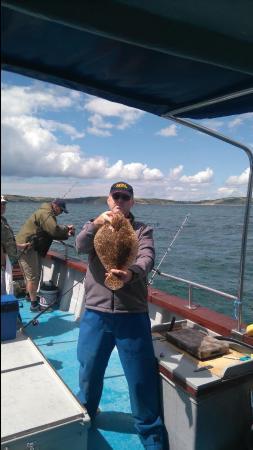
<point x="9" y="315"/>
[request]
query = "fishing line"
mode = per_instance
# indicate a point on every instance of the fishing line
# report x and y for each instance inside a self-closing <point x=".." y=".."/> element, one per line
<point x="156" y="271"/>
<point x="70" y="189"/>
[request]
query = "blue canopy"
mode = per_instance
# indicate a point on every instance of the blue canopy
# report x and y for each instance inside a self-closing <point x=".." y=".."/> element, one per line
<point x="159" y="56"/>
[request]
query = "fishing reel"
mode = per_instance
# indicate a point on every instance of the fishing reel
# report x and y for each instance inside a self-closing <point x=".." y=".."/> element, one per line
<point x="33" y="240"/>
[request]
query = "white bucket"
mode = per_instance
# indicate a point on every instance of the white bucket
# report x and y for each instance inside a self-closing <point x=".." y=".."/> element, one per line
<point x="47" y="297"/>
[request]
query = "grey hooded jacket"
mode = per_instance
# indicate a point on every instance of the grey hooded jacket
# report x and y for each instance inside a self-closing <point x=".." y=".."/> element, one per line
<point x="133" y="296"/>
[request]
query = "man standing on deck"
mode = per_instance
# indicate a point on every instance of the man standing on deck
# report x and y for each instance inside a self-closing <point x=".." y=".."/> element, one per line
<point x="120" y="318"/>
<point x="40" y="229"/>
<point x="9" y="249"/>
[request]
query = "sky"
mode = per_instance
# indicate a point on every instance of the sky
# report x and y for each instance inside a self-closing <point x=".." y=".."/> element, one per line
<point x="58" y="142"/>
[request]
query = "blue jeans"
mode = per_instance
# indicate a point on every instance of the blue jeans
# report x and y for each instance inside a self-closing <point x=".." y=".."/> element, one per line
<point x="130" y="332"/>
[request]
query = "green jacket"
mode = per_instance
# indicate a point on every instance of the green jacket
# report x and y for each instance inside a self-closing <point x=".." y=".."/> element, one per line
<point x="41" y="228"/>
<point x="8" y="242"/>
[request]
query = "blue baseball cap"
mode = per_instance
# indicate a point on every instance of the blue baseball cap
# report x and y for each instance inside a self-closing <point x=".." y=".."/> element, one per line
<point x="61" y="203"/>
<point x="122" y="186"/>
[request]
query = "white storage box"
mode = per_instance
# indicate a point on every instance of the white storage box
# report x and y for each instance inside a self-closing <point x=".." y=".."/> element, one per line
<point x="204" y="409"/>
<point x="39" y="412"/>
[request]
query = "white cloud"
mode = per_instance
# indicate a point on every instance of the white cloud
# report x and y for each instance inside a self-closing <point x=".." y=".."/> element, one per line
<point x="99" y="126"/>
<point x="133" y="171"/>
<point x="19" y="100"/>
<point x="110" y="109"/>
<point x="226" y="191"/>
<point x="204" y="176"/>
<point x="98" y="121"/>
<point x="178" y="188"/>
<point x="168" y="131"/>
<point x="98" y="132"/>
<point x="152" y="174"/>
<point x="31" y="150"/>
<point x="238" y="180"/>
<point x="52" y="125"/>
<point x="35" y="144"/>
<point x="235" y="185"/>
<point x="174" y="173"/>
<point x="239" y="120"/>
<point x="213" y="123"/>
<point x="124" y="116"/>
<point x="31" y="147"/>
<point x="235" y="122"/>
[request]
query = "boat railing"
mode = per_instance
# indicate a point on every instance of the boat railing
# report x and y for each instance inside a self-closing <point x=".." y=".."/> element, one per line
<point x="191" y="284"/>
<point x="66" y="249"/>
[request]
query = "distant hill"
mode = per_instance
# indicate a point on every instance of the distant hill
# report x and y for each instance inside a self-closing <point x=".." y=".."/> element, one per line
<point x="230" y="201"/>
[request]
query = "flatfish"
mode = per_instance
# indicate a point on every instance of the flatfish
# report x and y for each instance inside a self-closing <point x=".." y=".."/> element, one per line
<point x="116" y="245"/>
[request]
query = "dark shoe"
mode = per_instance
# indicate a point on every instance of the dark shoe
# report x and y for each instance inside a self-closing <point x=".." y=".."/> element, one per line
<point x="34" y="306"/>
<point x="98" y="411"/>
<point x="28" y="298"/>
<point x="43" y="308"/>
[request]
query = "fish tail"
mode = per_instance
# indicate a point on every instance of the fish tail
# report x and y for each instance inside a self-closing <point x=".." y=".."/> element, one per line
<point x="112" y="282"/>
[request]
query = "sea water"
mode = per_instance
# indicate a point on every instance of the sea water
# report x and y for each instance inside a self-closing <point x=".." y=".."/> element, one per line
<point x="207" y="250"/>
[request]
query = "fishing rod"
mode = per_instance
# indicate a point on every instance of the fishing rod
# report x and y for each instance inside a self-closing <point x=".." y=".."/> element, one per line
<point x="70" y="189"/>
<point x="233" y="340"/>
<point x="35" y="321"/>
<point x="156" y="271"/>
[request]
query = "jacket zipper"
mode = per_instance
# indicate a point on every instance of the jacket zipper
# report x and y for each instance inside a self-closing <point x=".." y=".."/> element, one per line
<point x="112" y="302"/>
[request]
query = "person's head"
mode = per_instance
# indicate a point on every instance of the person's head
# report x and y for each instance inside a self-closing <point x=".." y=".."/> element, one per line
<point x="3" y="204"/>
<point x="59" y="206"/>
<point x="121" y="198"/>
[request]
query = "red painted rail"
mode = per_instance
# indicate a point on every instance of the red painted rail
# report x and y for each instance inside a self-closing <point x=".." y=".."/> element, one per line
<point x="219" y="323"/>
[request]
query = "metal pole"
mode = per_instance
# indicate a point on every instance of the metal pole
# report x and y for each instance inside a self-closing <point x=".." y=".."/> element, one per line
<point x="210" y="102"/>
<point x="190" y="298"/>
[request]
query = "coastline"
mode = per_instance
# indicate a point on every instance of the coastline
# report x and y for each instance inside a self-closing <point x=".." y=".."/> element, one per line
<point x="229" y="201"/>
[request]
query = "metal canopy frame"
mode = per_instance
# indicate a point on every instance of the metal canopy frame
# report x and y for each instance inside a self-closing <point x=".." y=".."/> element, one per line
<point x="209" y="102"/>
<point x="188" y="123"/>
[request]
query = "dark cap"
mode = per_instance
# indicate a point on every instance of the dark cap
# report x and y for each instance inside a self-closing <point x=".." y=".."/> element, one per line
<point x="61" y="203"/>
<point x="122" y="186"/>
